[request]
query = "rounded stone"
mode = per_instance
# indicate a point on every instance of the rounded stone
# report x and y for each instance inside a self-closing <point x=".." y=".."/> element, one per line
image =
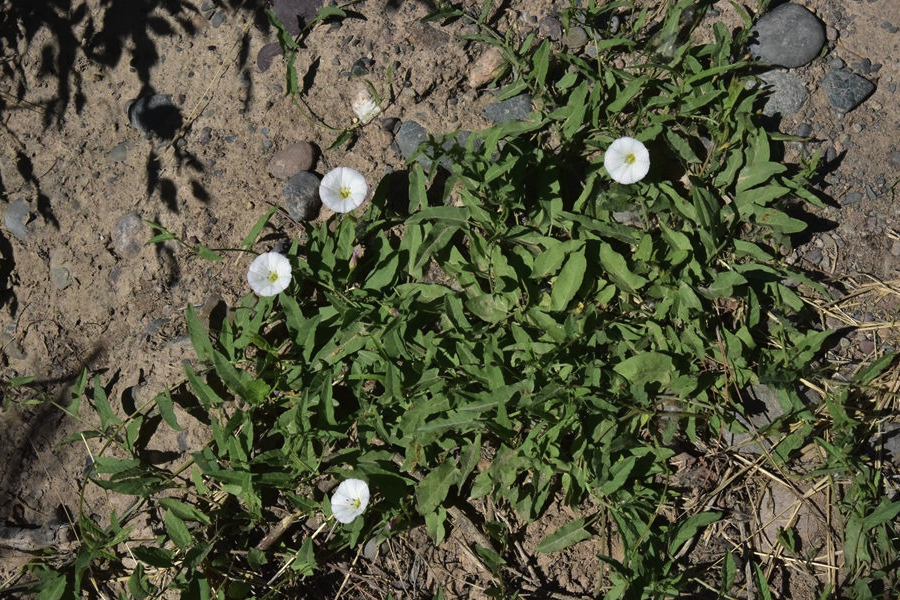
<point x="128" y="236"/>
<point x="296" y="157"/>
<point x="788" y="35"/>
<point x="301" y="196"/>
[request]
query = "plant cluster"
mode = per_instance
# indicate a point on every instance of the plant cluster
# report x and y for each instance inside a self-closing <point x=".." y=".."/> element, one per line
<point x="549" y="310"/>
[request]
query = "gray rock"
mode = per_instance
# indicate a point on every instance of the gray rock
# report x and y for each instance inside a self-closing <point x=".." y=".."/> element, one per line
<point x="127" y="238"/>
<point x="217" y="19"/>
<point x="59" y="270"/>
<point x="575" y="38"/>
<point x="787" y="93"/>
<point x="516" y="108"/>
<point x="296" y="157"/>
<point x="845" y="90"/>
<point x="409" y="137"/>
<point x="762" y="408"/>
<point x="119" y="152"/>
<point x="550" y="27"/>
<point x="789" y="36"/>
<point x="301" y="196"/>
<point x="18" y="214"/>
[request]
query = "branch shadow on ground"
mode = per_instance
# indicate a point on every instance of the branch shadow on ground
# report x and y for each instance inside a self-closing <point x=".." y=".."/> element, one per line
<point x="106" y="34"/>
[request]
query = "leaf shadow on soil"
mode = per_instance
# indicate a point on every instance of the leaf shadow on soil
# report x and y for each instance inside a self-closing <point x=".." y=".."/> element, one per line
<point x="119" y="30"/>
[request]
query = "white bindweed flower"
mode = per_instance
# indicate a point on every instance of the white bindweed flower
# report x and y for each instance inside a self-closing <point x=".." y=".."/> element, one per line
<point x="343" y="189"/>
<point x="269" y="274"/>
<point x="627" y="160"/>
<point x="349" y="500"/>
<point x="365" y="106"/>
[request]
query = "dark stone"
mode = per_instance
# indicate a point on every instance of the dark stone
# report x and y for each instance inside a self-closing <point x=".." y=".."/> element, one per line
<point x="516" y="108"/>
<point x="551" y="27"/>
<point x="266" y="56"/>
<point x="845" y="89"/>
<point x="301" y="196"/>
<point x="409" y="137"/>
<point x="295" y="14"/>
<point x="789" y="35"/>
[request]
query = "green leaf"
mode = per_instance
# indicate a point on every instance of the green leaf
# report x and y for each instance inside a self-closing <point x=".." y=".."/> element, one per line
<point x="724" y="284"/>
<point x="199" y="335"/>
<point x="626" y="95"/>
<point x="258" y="227"/>
<point x="138" y="584"/>
<point x="434" y="487"/>
<point x="541" y="61"/>
<point x="101" y="404"/>
<point x="568" y="535"/>
<point x="489" y="307"/>
<point x="184" y="511"/>
<point x="207" y="396"/>
<point x="616" y="267"/>
<point x="646" y="367"/>
<point x="206" y="253"/>
<point x="620" y="472"/>
<point x="757" y="173"/>
<point x="687" y="529"/>
<point x="167" y="409"/>
<point x="569" y="280"/>
<point x="154" y="556"/>
<point x="177" y="530"/>
<point x="327" y="12"/>
<point x="885" y="512"/>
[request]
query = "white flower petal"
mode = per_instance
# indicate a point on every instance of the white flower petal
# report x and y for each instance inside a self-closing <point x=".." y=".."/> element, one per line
<point x="365" y="106"/>
<point x="269" y="274"/>
<point x="627" y="160"/>
<point x="343" y="189"/>
<point x="349" y="500"/>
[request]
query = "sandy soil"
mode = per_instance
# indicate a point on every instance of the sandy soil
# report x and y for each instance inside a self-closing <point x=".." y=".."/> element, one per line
<point x="82" y="290"/>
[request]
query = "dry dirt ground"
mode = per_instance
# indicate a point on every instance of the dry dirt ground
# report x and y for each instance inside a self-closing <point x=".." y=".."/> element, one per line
<point x="81" y="290"/>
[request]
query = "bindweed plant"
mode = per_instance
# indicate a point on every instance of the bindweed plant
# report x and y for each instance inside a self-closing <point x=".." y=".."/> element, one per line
<point x="543" y="310"/>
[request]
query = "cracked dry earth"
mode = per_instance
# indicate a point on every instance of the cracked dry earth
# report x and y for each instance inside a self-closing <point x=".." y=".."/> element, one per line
<point x="82" y="290"/>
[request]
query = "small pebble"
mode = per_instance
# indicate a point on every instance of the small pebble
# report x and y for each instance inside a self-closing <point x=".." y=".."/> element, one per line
<point x="550" y="27"/>
<point x="852" y="198"/>
<point x="119" y="152"/>
<point x="301" y="196"/>
<point x="18" y="214"/>
<point x="575" y="38"/>
<point x="59" y="270"/>
<point x="128" y="238"/>
<point x="217" y="19"/>
<point x="293" y="158"/>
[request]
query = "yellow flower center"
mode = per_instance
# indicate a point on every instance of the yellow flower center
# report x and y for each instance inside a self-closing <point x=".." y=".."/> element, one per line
<point x="355" y="502"/>
<point x="273" y="276"/>
<point x="630" y="158"/>
<point x="344" y="193"/>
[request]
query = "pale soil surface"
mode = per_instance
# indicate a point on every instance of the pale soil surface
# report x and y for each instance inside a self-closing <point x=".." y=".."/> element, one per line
<point x="79" y="294"/>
